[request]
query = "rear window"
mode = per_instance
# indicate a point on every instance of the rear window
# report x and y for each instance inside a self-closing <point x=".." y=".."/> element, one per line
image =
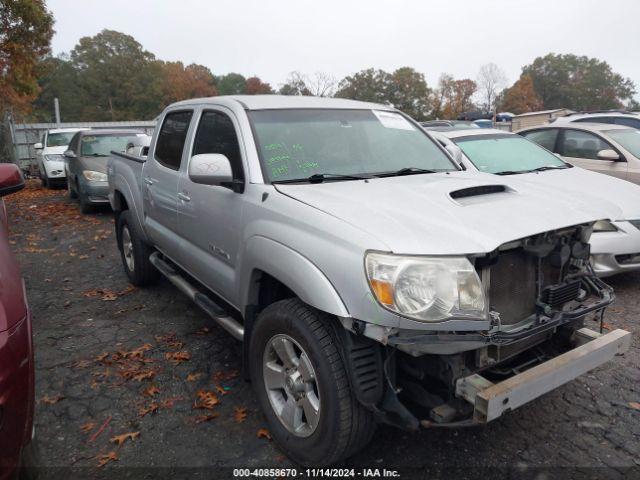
<point x="60" y="139"/>
<point x="102" y="145"/>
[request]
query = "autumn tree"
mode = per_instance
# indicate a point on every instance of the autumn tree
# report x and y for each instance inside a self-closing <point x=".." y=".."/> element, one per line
<point x="180" y="82"/>
<point x="578" y="82"/>
<point x="521" y="97"/>
<point x="231" y="84"/>
<point x="255" y="86"/>
<point x="491" y="79"/>
<point x="441" y="95"/>
<point x="26" y="28"/>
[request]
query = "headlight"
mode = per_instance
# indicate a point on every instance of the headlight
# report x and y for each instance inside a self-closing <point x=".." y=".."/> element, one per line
<point x="94" y="176"/>
<point x="53" y="158"/>
<point x="426" y="288"/>
<point x="604" y="226"/>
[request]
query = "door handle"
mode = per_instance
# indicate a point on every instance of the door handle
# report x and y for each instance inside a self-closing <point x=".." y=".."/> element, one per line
<point x="148" y="181"/>
<point x="184" y="197"/>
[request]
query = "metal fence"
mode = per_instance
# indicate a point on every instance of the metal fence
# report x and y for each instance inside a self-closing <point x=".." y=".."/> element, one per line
<point x="25" y="135"/>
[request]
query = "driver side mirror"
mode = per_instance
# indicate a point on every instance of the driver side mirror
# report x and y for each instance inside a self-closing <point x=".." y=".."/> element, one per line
<point x="11" y="179"/>
<point x="38" y="146"/>
<point x="210" y="169"/>
<point x="70" y="154"/>
<point x="608" y="154"/>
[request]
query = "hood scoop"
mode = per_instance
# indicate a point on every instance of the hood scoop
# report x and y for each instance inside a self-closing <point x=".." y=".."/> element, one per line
<point x="471" y="194"/>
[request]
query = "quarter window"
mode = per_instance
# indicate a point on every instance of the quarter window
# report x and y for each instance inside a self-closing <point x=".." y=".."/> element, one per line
<point x="216" y="134"/>
<point x="578" y="144"/>
<point x="545" y="138"/>
<point x="628" y="122"/>
<point x="171" y="139"/>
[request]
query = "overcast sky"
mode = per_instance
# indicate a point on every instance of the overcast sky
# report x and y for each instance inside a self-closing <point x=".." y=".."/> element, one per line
<point x="271" y="38"/>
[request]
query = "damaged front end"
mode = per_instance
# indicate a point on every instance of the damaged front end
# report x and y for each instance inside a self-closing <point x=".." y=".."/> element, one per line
<point x="538" y="292"/>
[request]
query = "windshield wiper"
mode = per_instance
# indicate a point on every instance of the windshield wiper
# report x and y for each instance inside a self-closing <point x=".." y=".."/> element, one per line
<point x="321" y="177"/>
<point x="405" y="171"/>
<point x="539" y="169"/>
<point x="98" y="155"/>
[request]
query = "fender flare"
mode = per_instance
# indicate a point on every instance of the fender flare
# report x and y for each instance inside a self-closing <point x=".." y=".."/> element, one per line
<point x="122" y="187"/>
<point x="291" y="268"/>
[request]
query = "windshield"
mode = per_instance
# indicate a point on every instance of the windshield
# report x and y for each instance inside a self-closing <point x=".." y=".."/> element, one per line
<point x="295" y="144"/>
<point x="60" y="139"/>
<point x="629" y="139"/>
<point x="506" y="153"/>
<point x="101" y="145"/>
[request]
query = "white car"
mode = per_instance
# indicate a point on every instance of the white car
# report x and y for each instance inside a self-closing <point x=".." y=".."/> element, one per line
<point x="603" y="148"/>
<point x="626" y="119"/>
<point x="615" y="245"/>
<point x="138" y="146"/>
<point x="49" y="155"/>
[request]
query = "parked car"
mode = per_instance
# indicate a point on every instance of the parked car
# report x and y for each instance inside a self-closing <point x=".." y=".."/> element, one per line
<point x="448" y="124"/>
<point x="50" y="155"/>
<point x="615" y="117"/>
<point x="365" y="272"/>
<point x="615" y="244"/>
<point x="610" y="149"/>
<point x="86" y="164"/>
<point x="504" y="117"/>
<point x="17" y="443"/>
<point x="483" y="123"/>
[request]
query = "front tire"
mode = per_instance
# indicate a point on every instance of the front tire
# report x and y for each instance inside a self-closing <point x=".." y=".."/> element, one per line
<point x="302" y="384"/>
<point x="134" y="252"/>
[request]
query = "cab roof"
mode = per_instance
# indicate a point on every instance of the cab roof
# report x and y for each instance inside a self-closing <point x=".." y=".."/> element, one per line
<point x="276" y="102"/>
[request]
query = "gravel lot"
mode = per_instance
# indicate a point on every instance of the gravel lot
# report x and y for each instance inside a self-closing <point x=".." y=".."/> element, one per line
<point x="113" y="360"/>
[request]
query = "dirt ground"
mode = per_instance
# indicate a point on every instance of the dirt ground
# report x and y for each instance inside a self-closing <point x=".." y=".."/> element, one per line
<point x="137" y="383"/>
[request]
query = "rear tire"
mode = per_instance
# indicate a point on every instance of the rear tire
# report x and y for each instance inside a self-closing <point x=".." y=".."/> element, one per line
<point x="134" y="252"/>
<point x="341" y="426"/>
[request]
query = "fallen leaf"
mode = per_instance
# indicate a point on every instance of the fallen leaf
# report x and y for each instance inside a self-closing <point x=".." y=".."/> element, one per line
<point x="202" y="331"/>
<point x="153" y="408"/>
<point x="221" y="390"/>
<point x="178" y="357"/>
<point x="263" y="433"/>
<point x="144" y="375"/>
<point x="206" y="400"/>
<point x="239" y="414"/>
<point x="109" y="296"/>
<point x="206" y="418"/>
<point x="192" y="377"/>
<point x="104" y="459"/>
<point x="634" y="405"/>
<point x="169" y="402"/>
<point x="51" y="400"/>
<point x="120" y="439"/>
<point x="151" y="390"/>
<point x="87" y="427"/>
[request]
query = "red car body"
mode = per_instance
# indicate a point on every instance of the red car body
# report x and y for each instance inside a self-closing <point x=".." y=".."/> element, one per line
<point x="17" y="389"/>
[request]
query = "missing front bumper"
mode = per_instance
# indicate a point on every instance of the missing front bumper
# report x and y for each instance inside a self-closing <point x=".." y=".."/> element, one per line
<point x="491" y="400"/>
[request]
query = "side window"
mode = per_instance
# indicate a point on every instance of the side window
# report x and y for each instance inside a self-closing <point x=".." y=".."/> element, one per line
<point x="628" y="122"/>
<point x="579" y="144"/>
<point x="216" y="134"/>
<point x="545" y="138"/>
<point x="171" y="139"/>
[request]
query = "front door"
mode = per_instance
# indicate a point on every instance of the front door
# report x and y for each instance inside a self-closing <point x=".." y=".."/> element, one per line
<point x="160" y="182"/>
<point x="581" y="148"/>
<point x="211" y="216"/>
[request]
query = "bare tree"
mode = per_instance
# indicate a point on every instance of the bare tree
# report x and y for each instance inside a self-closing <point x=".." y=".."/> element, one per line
<point x="491" y="80"/>
<point x="319" y="85"/>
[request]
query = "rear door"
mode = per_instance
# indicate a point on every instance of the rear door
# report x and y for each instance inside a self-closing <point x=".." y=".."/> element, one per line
<point x="581" y="148"/>
<point x="210" y="218"/>
<point x="160" y="182"/>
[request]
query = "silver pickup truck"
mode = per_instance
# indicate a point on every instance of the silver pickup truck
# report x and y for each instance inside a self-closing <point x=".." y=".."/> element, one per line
<point x="369" y="276"/>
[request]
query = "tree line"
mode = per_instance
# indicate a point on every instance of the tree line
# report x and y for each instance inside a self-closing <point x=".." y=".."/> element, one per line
<point x="110" y="76"/>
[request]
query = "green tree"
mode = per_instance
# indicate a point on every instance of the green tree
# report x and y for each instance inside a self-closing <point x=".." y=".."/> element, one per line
<point x="122" y="80"/>
<point x="26" y="28"/>
<point x="367" y="85"/>
<point x="231" y="84"/>
<point x="578" y="82"/>
<point x="408" y="92"/>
